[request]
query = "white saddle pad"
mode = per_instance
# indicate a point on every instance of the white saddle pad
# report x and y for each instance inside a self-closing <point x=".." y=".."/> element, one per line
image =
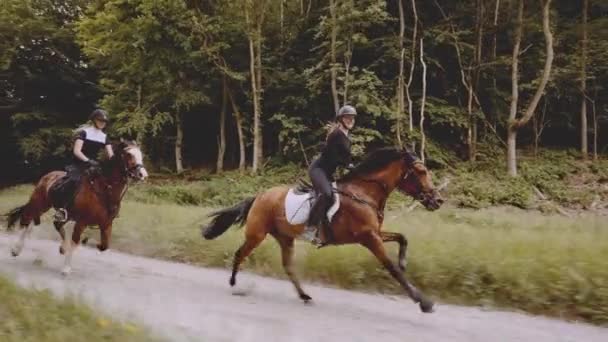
<point x="297" y="206"/>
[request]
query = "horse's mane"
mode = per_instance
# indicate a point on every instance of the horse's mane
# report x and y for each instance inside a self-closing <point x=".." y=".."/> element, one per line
<point x="108" y="164"/>
<point x="375" y="161"/>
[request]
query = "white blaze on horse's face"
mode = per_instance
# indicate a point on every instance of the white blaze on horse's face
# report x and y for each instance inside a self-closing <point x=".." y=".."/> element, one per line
<point x="138" y="159"/>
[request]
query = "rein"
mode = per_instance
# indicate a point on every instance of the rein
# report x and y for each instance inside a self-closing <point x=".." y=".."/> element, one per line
<point x="379" y="209"/>
<point x="125" y="175"/>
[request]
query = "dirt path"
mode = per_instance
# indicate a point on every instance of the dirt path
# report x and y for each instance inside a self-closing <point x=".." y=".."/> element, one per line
<point x="188" y="303"/>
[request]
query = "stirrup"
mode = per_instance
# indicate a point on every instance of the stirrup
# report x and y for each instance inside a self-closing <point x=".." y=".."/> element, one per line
<point x="61" y="215"/>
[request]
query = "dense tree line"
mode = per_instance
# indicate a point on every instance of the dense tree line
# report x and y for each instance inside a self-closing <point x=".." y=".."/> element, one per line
<point x="244" y="83"/>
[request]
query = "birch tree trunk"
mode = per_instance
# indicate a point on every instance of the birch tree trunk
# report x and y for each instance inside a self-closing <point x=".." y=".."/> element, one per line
<point x="179" y="140"/>
<point x="584" y="129"/>
<point x="221" y="146"/>
<point x="422" y="102"/>
<point x="515" y="124"/>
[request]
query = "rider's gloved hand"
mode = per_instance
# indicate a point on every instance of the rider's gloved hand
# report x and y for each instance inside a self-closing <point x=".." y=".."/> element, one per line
<point x="93" y="163"/>
<point x="350" y="167"/>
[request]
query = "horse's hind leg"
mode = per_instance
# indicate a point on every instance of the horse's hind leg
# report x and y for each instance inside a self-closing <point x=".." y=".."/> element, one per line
<point x="373" y="242"/>
<point x="402" y="241"/>
<point x="287" y="253"/>
<point x="26" y="228"/>
<point x="18" y="247"/>
<point x="252" y="240"/>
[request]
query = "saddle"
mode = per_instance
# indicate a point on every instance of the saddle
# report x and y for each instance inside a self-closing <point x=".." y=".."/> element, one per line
<point x="298" y="203"/>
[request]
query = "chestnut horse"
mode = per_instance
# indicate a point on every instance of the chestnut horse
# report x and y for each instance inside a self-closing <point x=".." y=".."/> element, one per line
<point x="363" y="195"/>
<point x="96" y="202"/>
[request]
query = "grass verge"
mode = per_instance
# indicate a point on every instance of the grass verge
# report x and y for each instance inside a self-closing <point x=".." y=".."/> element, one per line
<point x="30" y="315"/>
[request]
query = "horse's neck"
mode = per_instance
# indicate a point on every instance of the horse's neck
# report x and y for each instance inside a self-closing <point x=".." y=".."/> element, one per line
<point x="378" y="186"/>
<point x="114" y="178"/>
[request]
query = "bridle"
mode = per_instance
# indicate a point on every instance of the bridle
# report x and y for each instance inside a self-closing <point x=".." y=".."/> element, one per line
<point x="131" y="172"/>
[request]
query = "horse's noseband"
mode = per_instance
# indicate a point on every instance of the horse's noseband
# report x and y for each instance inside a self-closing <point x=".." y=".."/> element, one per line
<point x="132" y="171"/>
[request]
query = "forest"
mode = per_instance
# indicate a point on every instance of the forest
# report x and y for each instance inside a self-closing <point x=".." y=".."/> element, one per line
<point x="251" y="84"/>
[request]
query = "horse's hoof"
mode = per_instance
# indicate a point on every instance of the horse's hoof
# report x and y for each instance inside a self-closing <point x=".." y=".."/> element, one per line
<point x="85" y="240"/>
<point x="306" y="298"/>
<point x="14" y="252"/>
<point x="66" y="271"/>
<point x="427" y="306"/>
<point x="61" y="250"/>
<point x="232" y="281"/>
<point x="101" y="247"/>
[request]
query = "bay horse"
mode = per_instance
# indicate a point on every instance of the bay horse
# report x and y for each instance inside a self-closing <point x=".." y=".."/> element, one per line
<point x="363" y="195"/>
<point x="96" y="201"/>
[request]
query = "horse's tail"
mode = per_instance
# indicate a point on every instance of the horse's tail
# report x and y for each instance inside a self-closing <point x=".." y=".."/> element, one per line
<point x="14" y="215"/>
<point x="223" y="219"/>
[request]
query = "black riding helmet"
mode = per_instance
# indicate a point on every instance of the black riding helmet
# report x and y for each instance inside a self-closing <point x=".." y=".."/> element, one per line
<point x="99" y="114"/>
<point x="346" y="110"/>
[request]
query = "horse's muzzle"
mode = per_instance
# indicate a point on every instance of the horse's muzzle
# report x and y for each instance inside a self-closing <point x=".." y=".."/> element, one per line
<point x="432" y="201"/>
<point x="138" y="172"/>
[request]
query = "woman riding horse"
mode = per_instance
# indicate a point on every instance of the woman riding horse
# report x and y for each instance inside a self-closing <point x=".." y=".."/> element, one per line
<point x="336" y="152"/>
<point x="363" y="195"/>
<point x="92" y="197"/>
<point x="88" y="142"/>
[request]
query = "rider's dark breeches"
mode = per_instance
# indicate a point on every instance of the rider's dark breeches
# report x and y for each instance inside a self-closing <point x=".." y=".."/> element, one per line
<point x="322" y="186"/>
<point x="64" y="190"/>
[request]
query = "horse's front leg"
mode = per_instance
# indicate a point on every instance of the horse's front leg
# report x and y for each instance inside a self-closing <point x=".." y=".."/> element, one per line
<point x="105" y="230"/>
<point x="402" y="241"/>
<point x="373" y="242"/>
<point x="60" y="228"/>
<point x="70" y="245"/>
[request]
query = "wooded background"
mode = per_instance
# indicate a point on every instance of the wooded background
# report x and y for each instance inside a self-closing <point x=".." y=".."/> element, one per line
<point x="252" y="83"/>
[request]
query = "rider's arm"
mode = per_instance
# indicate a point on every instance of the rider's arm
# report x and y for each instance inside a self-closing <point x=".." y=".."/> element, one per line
<point x="109" y="149"/>
<point x="341" y="149"/>
<point x="78" y="150"/>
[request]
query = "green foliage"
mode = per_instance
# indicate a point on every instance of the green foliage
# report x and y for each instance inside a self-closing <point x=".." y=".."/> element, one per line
<point x="143" y="48"/>
<point x="214" y="190"/>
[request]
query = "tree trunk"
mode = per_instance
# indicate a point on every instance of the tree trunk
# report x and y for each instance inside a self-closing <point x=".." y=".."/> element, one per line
<point x="221" y="146"/>
<point x="410" y="103"/>
<point x="179" y="139"/>
<point x="494" y="114"/>
<point x="515" y="124"/>
<point x="539" y="125"/>
<point x="595" y="128"/>
<point x="511" y="131"/>
<point x="474" y="80"/>
<point x="401" y="78"/>
<point x="422" y="102"/>
<point x="584" y="132"/>
<point x="255" y="66"/>
<point x="347" y="58"/>
<point x="282" y="18"/>
<point x="239" y="130"/>
<point x="259" y="146"/>
<point x="334" y="72"/>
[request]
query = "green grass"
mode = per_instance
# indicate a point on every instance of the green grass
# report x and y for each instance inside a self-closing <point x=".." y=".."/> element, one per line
<point x="506" y="257"/>
<point x="30" y="315"/>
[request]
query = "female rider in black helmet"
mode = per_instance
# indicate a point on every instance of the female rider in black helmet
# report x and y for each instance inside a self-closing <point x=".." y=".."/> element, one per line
<point x="336" y="152"/>
<point x="89" y="140"/>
